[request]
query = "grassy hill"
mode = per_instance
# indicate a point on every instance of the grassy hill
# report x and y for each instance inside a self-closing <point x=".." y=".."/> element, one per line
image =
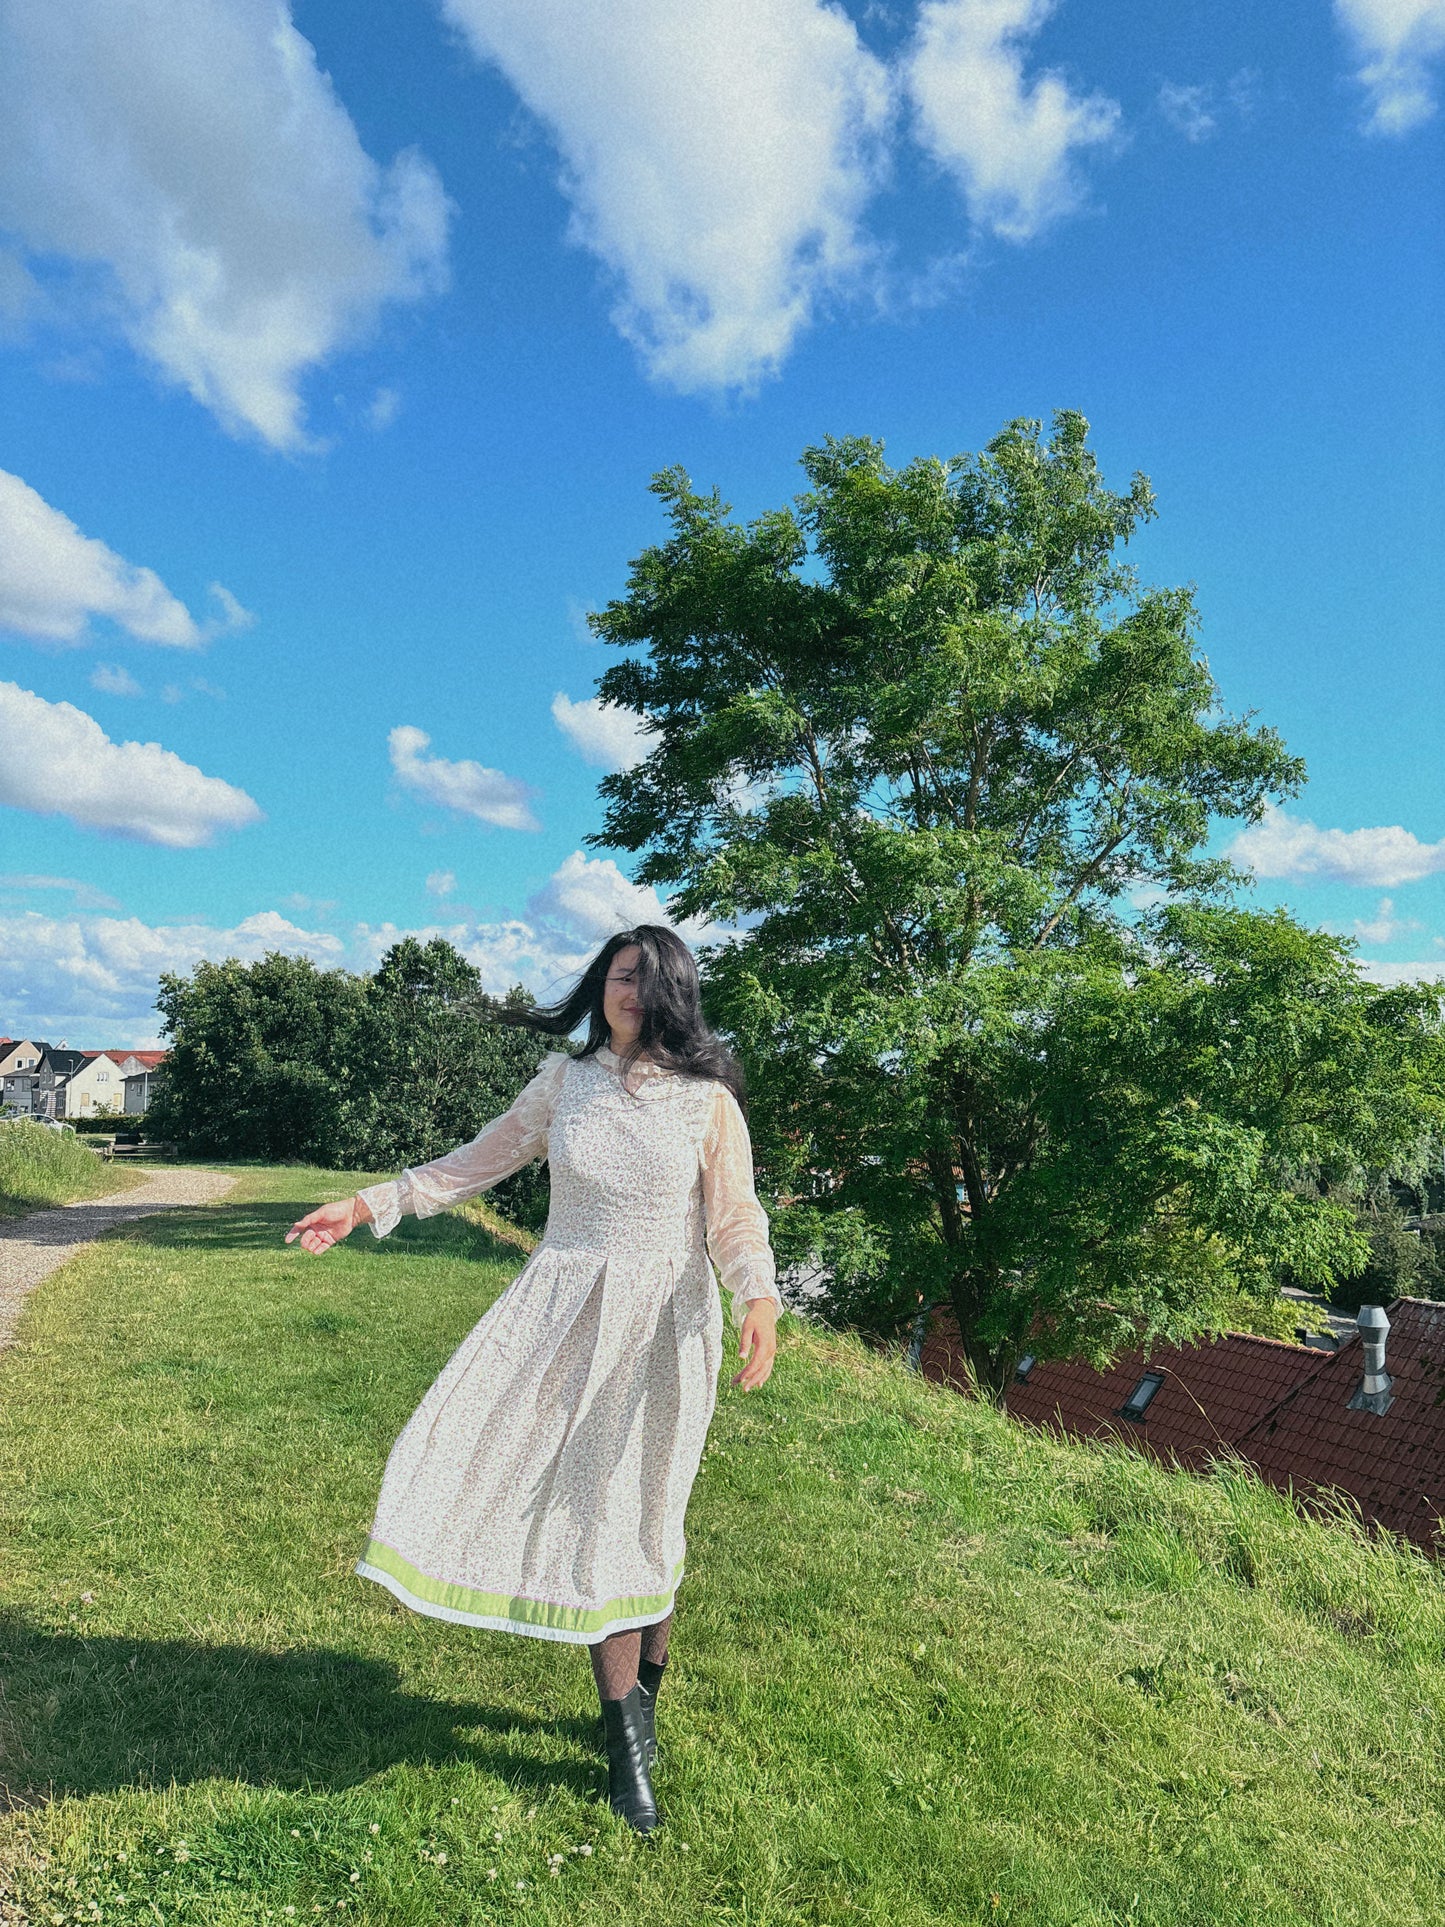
<point x="40" y="1167"/>
<point x="929" y="1667"/>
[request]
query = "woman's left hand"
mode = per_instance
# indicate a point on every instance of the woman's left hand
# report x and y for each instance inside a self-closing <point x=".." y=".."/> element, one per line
<point x="758" y="1343"/>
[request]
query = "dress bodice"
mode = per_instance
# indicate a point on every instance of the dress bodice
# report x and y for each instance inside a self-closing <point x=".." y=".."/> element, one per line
<point x="625" y="1163"/>
<point x="660" y="1164"/>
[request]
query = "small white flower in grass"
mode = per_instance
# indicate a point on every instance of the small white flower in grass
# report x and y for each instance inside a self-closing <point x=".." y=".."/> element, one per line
<point x="87" y="1598"/>
<point x="556" y="1872"/>
<point x="295" y="1833"/>
<point x="497" y="1837"/>
<point x="519" y="1885"/>
<point x="491" y="1873"/>
<point x="441" y="1860"/>
<point x="456" y="1803"/>
<point x="353" y="1876"/>
<point x="585" y="1848"/>
<point x="375" y="1827"/>
<point x="683" y="1846"/>
<point x="288" y="1910"/>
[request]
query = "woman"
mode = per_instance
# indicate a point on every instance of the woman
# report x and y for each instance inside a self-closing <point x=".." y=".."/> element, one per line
<point x="541" y="1484"/>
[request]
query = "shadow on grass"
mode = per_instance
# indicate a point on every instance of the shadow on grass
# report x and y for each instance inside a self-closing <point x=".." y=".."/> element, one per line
<point x="83" y="1716"/>
<point x="263" y="1227"/>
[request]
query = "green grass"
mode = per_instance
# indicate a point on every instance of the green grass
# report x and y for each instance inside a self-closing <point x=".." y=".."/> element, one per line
<point x="929" y="1667"/>
<point x="40" y="1167"/>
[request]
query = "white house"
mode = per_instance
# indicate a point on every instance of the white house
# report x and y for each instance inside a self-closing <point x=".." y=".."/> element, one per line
<point x="97" y="1085"/>
<point x="111" y="1080"/>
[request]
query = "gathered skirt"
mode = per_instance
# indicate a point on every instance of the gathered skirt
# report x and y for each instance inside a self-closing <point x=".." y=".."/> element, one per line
<point x="540" y="1486"/>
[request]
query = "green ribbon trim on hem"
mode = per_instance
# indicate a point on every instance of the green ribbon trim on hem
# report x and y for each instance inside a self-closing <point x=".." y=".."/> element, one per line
<point x="499" y="1605"/>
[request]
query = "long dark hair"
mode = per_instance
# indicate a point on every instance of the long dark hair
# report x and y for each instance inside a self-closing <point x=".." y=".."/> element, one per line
<point x="673" y="1030"/>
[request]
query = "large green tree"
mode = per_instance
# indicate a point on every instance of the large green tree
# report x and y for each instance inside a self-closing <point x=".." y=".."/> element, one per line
<point x="1011" y="1042"/>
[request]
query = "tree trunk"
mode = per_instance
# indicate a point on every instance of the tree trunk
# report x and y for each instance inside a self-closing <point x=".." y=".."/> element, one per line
<point x="989" y="1367"/>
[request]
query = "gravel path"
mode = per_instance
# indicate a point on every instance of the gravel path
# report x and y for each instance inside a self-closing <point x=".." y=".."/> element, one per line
<point x="39" y="1243"/>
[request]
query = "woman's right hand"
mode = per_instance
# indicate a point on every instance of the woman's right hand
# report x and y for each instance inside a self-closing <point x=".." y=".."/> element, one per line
<point x="320" y="1229"/>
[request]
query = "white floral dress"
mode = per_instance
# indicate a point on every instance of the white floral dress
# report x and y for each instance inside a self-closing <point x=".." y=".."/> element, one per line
<point x="540" y="1485"/>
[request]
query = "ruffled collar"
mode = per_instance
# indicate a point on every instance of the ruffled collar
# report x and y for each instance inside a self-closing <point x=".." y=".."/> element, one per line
<point x="643" y="1068"/>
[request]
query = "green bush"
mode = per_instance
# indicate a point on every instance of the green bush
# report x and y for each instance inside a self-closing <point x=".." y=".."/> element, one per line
<point x="281" y="1060"/>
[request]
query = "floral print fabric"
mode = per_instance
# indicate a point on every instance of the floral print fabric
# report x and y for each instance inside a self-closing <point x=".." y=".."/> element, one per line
<point x="541" y="1484"/>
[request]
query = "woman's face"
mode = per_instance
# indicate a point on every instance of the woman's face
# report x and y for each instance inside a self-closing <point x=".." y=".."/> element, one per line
<point x="620" y="1009"/>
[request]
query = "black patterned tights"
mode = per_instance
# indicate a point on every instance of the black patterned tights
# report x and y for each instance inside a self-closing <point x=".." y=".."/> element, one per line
<point x="615" y="1659"/>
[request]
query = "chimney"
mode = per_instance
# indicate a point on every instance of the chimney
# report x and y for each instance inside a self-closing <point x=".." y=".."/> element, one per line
<point x="1375" y="1392"/>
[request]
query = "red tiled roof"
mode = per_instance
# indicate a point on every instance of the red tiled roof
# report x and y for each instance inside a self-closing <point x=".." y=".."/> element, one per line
<point x="1211" y="1392"/>
<point x="1285" y="1408"/>
<point x="1392" y="1463"/>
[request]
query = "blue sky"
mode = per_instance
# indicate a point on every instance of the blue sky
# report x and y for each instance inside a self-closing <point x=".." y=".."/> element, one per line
<point x="380" y="317"/>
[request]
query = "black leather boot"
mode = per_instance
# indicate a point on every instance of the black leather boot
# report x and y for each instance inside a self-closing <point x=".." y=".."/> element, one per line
<point x="649" y="1680"/>
<point x="629" y="1786"/>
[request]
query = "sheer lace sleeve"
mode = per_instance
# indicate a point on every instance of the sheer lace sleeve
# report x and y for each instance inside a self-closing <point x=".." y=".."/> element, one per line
<point x="737" y="1225"/>
<point x="499" y="1148"/>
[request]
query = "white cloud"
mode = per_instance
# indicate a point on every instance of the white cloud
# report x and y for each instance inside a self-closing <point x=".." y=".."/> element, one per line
<point x="196" y="162"/>
<point x="53" y="580"/>
<point x="383" y="408"/>
<point x="93" y="979"/>
<point x="1384" y="926"/>
<point x="1398" y="42"/>
<point x="57" y="761"/>
<point x="113" y="679"/>
<point x="609" y="737"/>
<point x="1286" y="846"/>
<point x="1188" y="110"/>
<point x="441" y="883"/>
<point x="468" y="788"/>
<point x="87" y="897"/>
<point x="592" y="898"/>
<point x="1389" y="974"/>
<point x="233" y="616"/>
<point x="513" y="951"/>
<point x="1009" y="142"/>
<point x="577" y="614"/>
<point x="718" y="157"/>
<point x="584" y="901"/>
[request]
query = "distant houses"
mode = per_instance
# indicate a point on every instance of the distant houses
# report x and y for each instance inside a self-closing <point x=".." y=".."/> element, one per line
<point x="38" y="1079"/>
